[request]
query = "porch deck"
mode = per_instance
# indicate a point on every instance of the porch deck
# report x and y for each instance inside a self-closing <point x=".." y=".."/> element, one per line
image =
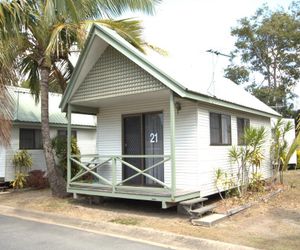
<point x="138" y="193"/>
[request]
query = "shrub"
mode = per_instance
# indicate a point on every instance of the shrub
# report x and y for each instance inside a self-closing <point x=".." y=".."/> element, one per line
<point x="36" y="179"/>
<point x="60" y="146"/>
<point x="20" y="181"/>
<point x="248" y="157"/>
<point x="22" y="161"/>
<point x="257" y="183"/>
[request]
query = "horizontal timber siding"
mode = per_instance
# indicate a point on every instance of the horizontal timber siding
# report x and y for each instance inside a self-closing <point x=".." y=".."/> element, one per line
<point x="86" y="144"/>
<point x="213" y="157"/>
<point x="109" y="136"/>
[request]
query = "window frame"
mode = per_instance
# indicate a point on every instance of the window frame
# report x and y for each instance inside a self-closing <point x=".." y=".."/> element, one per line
<point x="34" y="139"/>
<point x="239" y="135"/>
<point x="220" y="143"/>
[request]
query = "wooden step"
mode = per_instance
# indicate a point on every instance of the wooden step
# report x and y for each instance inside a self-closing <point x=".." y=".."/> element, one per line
<point x="203" y="210"/>
<point x="193" y="201"/>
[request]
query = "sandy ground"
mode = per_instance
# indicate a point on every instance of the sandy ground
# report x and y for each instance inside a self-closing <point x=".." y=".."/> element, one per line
<point x="269" y="225"/>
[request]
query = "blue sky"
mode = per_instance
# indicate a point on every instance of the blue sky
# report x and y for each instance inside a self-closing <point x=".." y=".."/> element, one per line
<point x="188" y="28"/>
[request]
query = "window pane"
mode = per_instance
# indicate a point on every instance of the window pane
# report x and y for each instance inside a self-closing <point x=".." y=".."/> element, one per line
<point x="26" y="139"/>
<point x="242" y="124"/>
<point x="226" y="129"/>
<point x="74" y="134"/>
<point x="38" y="139"/>
<point x="215" y="128"/>
<point x="63" y="132"/>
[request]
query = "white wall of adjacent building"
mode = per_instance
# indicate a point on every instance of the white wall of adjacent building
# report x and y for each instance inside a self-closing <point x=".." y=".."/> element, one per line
<point x="86" y="143"/>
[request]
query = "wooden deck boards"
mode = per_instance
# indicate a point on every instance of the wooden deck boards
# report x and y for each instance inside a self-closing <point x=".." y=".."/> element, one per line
<point x="134" y="190"/>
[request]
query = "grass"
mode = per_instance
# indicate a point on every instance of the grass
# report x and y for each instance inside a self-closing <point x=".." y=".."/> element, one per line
<point x="126" y="221"/>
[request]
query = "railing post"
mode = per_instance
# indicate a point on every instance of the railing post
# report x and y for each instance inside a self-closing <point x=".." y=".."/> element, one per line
<point x="172" y="145"/>
<point x="114" y="174"/>
<point x="69" y="128"/>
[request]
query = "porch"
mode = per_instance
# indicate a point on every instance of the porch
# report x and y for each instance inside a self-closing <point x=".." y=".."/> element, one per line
<point x="105" y="174"/>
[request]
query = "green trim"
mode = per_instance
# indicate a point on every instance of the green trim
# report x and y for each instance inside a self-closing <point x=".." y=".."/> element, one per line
<point x="52" y="125"/>
<point x="172" y="144"/>
<point x="69" y="149"/>
<point x="137" y="57"/>
<point x="214" y="101"/>
<point x="84" y="110"/>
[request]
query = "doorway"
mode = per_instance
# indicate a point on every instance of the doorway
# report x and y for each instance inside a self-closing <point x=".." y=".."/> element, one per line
<point x="143" y="135"/>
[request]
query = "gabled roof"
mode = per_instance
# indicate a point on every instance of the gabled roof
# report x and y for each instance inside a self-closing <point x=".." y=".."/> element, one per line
<point x="26" y="110"/>
<point x="223" y="92"/>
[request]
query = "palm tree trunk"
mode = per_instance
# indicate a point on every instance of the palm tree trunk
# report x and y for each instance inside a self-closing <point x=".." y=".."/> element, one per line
<point x="56" y="180"/>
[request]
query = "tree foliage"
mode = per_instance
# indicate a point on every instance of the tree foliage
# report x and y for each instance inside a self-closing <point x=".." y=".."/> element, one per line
<point x="59" y="144"/>
<point x="268" y="44"/>
<point x="43" y="34"/>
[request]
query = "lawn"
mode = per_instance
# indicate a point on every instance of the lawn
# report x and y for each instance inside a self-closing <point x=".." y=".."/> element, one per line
<point x="269" y="225"/>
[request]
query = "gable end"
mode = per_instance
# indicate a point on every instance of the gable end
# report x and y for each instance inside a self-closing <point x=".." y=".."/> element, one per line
<point x="115" y="75"/>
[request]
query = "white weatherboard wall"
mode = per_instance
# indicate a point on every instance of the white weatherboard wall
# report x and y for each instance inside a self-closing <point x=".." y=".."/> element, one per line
<point x="213" y="157"/>
<point x="86" y="143"/>
<point x="109" y="136"/>
<point x="196" y="160"/>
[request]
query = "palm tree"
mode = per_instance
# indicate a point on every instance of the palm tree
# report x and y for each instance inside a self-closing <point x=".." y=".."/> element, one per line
<point x="44" y="33"/>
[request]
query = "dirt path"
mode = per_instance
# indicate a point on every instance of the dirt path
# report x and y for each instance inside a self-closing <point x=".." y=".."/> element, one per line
<point x="271" y="225"/>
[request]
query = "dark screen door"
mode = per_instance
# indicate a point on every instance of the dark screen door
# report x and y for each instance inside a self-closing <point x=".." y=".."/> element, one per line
<point x="132" y="129"/>
<point x="143" y="134"/>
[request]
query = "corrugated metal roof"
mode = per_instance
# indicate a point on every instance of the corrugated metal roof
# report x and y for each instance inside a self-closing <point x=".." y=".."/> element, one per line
<point x="27" y="110"/>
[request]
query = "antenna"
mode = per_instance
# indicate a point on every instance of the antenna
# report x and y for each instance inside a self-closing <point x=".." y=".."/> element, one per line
<point x="217" y="53"/>
<point x="211" y="87"/>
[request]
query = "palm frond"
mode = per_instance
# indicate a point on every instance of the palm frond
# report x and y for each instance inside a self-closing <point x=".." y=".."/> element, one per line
<point x="295" y="145"/>
<point x="6" y="116"/>
<point x="129" y="29"/>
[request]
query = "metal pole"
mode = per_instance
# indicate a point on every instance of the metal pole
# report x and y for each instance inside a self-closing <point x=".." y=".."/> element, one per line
<point x="172" y="142"/>
<point x="69" y="128"/>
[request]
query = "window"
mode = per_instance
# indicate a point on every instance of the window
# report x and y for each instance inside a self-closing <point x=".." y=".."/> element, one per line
<point x="242" y="124"/>
<point x="63" y="132"/>
<point x="220" y="129"/>
<point x="30" y="139"/>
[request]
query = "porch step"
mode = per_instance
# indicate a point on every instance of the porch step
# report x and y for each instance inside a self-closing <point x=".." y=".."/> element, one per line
<point x="202" y="210"/>
<point x="209" y="220"/>
<point x="193" y="201"/>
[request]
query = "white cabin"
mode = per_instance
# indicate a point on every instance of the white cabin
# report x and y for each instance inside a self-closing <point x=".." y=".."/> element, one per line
<point x="158" y="138"/>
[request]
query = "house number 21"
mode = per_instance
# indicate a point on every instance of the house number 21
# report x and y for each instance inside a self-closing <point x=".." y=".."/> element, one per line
<point x="153" y="137"/>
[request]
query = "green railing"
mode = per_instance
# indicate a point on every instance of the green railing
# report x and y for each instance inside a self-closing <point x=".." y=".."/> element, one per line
<point x="95" y="163"/>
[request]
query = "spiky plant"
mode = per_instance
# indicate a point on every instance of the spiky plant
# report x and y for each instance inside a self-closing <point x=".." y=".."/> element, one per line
<point x="279" y="147"/>
<point x="249" y="156"/>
